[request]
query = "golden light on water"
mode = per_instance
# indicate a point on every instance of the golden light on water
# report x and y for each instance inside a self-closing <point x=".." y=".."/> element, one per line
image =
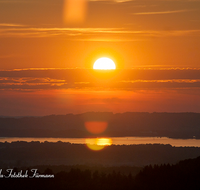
<point x="97" y="144"/>
<point x="104" y="142"/>
<point x="75" y="11"/>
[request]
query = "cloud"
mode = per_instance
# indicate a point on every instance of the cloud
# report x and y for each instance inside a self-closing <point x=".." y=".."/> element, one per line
<point x="118" y="1"/>
<point x="11" y="1"/>
<point x="89" y="34"/>
<point x="10" y="25"/>
<point x="113" y="100"/>
<point x="10" y="31"/>
<point x="161" y="12"/>
<point x="127" y="79"/>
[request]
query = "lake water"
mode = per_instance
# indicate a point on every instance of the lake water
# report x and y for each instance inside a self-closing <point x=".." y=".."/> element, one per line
<point x="115" y="140"/>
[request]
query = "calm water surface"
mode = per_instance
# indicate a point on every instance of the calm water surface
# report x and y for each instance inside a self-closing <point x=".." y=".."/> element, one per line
<point x="115" y="140"/>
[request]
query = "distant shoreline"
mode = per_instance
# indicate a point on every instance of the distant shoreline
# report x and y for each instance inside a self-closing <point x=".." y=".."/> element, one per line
<point x="114" y="140"/>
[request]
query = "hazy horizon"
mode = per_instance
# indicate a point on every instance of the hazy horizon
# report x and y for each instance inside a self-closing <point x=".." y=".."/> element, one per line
<point x="17" y="116"/>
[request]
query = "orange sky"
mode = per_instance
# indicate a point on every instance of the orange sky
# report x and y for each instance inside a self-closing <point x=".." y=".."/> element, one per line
<point x="155" y="45"/>
<point x="135" y="33"/>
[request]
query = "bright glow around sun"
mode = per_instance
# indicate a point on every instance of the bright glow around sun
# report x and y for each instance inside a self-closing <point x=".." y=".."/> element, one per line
<point x="104" y="63"/>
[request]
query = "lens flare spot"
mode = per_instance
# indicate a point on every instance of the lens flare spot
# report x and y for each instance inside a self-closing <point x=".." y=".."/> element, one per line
<point x="98" y="143"/>
<point x="96" y="127"/>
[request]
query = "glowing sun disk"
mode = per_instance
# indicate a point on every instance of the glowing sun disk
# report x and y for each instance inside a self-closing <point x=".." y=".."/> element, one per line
<point x="104" y="63"/>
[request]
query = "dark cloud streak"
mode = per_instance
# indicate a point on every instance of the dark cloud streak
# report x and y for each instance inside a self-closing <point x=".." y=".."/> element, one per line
<point x="126" y="79"/>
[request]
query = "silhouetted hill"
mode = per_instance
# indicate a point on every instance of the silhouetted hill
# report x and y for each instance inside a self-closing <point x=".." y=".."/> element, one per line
<point x="17" y="154"/>
<point x="174" y="125"/>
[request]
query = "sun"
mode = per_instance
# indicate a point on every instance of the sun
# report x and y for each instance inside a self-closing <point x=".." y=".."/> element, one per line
<point x="104" y="63"/>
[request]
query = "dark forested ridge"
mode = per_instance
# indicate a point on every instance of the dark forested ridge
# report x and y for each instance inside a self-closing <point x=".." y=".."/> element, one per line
<point x="174" y="125"/>
<point x="17" y="154"/>
<point x="184" y="175"/>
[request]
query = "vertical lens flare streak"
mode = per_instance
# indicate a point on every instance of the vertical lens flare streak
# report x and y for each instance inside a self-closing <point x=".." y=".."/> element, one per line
<point x="74" y="11"/>
<point x="98" y="143"/>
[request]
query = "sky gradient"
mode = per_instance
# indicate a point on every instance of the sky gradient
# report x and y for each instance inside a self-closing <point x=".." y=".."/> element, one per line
<point x="48" y="47"/>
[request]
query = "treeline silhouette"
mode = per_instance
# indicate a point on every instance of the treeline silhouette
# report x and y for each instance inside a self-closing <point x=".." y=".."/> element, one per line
<point x="174" y="125"/>
<point x="123" y="169"/>
<point x="184" y="175"/>
<point x="17" y="154"/>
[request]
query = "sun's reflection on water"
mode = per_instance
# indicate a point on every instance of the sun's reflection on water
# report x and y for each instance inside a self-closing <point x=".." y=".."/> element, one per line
<point x="98" y="143"/>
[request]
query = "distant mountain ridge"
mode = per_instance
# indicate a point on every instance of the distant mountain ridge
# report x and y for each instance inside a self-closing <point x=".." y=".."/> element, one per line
<point x="143" y="124"/>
